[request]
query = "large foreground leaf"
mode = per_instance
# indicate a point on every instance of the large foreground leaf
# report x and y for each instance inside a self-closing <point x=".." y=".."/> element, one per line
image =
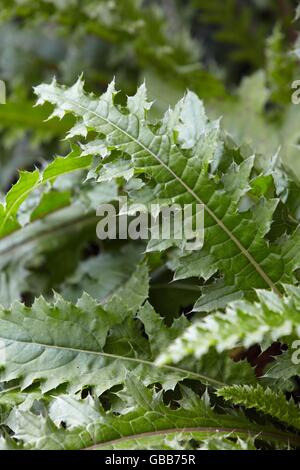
<point x="144" y="422"/>
<point x="186" y="158"/>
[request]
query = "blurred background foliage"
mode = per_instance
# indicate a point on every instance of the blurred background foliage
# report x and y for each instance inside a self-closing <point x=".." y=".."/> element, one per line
<point x="240" y="56"/>
<point x="235" y="54"/>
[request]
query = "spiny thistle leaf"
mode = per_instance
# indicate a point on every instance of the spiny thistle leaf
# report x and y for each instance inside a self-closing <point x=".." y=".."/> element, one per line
<point x="227" y="443"/>
<point x="264" y="400"/>
<point x="73" y="341"/>
<point x="183" y="162"/>
<point x="145" y="420"/>
<point x="106" y="350"/>
<point x="243" y="324"/>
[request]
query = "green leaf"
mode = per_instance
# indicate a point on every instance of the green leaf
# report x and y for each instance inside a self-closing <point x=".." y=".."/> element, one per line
<point x="101" y="275"/>
<point x="147" y="422"/>
<point x="69" y="339"/>
<point x="264" y="400"/>
<point x="158" y="333"/>
<point x="243" y="324"/>
<point x="283" y="372"/>
<point x="227" y="443"/>
<point x="191" y="176"/>
<point x="30" y="181"/>
<point x="73" y="341"/>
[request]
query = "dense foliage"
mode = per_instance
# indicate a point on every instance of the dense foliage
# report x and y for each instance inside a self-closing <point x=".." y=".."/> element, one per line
<point x="122" y="344"/>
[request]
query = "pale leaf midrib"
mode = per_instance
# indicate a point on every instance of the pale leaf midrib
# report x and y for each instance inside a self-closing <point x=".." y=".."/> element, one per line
<point x="207" y="429"/>
<point x="89" y="217"/>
